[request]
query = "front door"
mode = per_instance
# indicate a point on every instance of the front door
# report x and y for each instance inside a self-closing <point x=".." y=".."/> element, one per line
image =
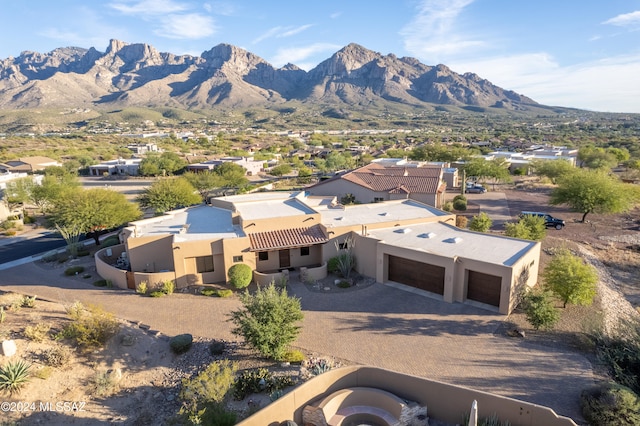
<point x="285" y="261"/>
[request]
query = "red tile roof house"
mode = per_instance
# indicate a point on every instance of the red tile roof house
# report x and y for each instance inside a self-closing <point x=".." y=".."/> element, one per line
<point x="376" y="182"/>
<point x="403" y="243"/>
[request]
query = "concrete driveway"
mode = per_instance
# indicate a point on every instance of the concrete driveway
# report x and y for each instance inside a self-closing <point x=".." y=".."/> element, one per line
<point x="495" y="204"/>
<point x="378" y="325"/>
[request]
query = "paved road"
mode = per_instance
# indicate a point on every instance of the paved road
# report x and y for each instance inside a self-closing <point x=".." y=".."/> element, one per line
<point x="379" y="325"/>
<point x="23" y="247"/>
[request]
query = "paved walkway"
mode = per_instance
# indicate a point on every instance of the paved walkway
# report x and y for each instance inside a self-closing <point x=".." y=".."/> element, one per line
<point x="379" y="325"/>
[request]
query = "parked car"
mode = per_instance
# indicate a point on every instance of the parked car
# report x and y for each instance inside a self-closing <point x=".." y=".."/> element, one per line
<point x="475" y="189"/>
<point x="549" y="221"/>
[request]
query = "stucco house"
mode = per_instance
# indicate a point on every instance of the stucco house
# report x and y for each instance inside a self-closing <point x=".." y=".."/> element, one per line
<point x="379" y="181"/>
<point x="30" y="164"/>
<point x="252" y="167"/>
<point x="403" y="242"/>
<point x="121" y="167"/>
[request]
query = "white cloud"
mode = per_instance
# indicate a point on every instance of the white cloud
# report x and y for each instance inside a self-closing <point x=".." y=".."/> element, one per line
<point x="148" y="7"/>
<point x="625" y="19"/>
<point x="335" y="15"/>
<point x="297" y="54"/>
<point x="601" y="85"/>
<point x="220" y="8"/>
<point x="281" y="32"/>
<point x="186" y="26"/>
<point x="434" y="33"/>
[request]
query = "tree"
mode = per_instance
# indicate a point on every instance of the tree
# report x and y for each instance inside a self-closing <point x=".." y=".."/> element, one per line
<point x="56" y="183"/>
<point x="481" y="223"/>
<point x="572" y="280"/>
<point x="592" y="191"/>
<point x="280" y="170"/>
<point x="529" y="227"/>
<point x="91" y="211"/>
<point x="161" y="164"/>
<point x="553" y="169"/>
<point x="267" y="321"/>
<point x="539" y="310"/>
<point x="597" y="158"/>
<point x="169" y="194"/>
<point x="204" y="182"/>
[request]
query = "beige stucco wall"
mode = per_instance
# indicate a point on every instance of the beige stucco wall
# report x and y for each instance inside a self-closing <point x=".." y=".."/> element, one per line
<point x="150" y="254"/>
<point x="296" y="259"/>
<point x="525" y="274"/>
<point x="252" y="226"/>
<point x="104" y="268"/>
<point x="444" y="402"/>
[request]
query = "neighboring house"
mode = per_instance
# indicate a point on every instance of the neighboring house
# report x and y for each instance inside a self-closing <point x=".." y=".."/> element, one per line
<point x="141" y="149"/>
<point x="378" y="182"/>
<point x="401" y="242"/>
<point x="122" y="167"/>
<point x="252" y="166"/>
<point x="522" y="160"/>
<point x="30" y="164"/>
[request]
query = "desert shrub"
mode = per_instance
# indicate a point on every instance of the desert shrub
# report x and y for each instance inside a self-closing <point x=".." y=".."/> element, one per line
<point x="62" y="258"/>
<point x="571" y="279"/>
<point x="106" y="382"/>
<point x="481" y="223"/>
<point x="344" y="284"/>
<point x="14" y="375"/>
<point x="28" y="302"/>
<point x="459" y="197"/>
<point x="37" y="332"/>
<point x="258" y="380"/>
<point x="215" y="292"/>
<point x="27" y="220"/>
<point x="100" y="283"/>
<point x="57" y="356"/>
<point x="240" y="275"/>
<point x="332" y="265"/>
<point x="217" y="347"/>
<point x="316" y="366"/>
<point x="621" y="353"/>
<point x="460" y="205"/>
<point x="345" y="260"/>
<point x="91" y="326"/>
<point x="43" y="373"/>
<point x="111" y="240"/>
<point x="610" y="404"/>
<point x="157" y="293"/>
<point x="74" y="270"/>
<point x="267" y="320"/>
<point x="447" y="206"/>
<point x="7" y="224"/>
<point x="539" y="310"/>
<point x="10" y="233"/>
<point x="461" y="221"/>
<point x="202" y="395"/>
<point x="294" y="356"/>
<point x="83" y="252"/>
<point x="168" y="287"/>
<point x="142" y="288"/>
<point x="181" y="343"/>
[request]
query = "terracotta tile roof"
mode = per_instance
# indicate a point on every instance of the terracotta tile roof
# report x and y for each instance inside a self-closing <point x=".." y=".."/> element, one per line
<point x="287" y="238"/>
<point x="396" y="179"/>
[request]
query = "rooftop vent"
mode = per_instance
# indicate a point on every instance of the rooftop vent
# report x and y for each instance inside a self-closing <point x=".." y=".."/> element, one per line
<point x="427" y="235"/>
<point x="384" y="214"/>
<point x="454" y="240"/>
<point x="403" y="230"/>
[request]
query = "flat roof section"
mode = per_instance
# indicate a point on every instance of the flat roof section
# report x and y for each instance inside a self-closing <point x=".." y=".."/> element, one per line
<point x="363" y="214"/>
<point x="193" y="223"/>
<point x="449" y="241"/>
<point x="266" y="209"/>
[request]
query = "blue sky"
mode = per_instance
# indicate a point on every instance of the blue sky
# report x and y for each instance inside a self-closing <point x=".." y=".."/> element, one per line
<point x="573" y="53"/>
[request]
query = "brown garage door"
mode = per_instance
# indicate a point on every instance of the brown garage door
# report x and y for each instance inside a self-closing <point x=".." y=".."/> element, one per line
<point x="484" y="288"/>
<point x="416" y="274"/>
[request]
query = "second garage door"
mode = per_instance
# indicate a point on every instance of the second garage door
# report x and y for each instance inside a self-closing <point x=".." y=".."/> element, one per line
<point x="417" y="274"/>
<point x="484" y="288"/>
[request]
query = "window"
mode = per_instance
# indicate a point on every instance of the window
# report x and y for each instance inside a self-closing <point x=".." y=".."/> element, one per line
<point x="237" y="259"/>
<point x="343" y="246"/>
<point x="263" y="255"/>
<point x="378" y="199"/>
<point x="304" y="251"/>
<point x="204" y="264"/>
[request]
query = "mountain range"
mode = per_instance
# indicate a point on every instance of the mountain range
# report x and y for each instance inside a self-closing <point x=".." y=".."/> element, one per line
<point x="230" y="77"/>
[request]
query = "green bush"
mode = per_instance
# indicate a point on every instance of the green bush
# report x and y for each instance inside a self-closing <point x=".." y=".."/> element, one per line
<point x="610" y="404"/>
<point x="460" y="205"/>
<point x="480" y="223"/>
<point x="28" y="302"/>
<point x="259" y="380"/>
<point x="83" y="252"/>
<point x="14" y="375"/>
<point x="142" y="288"/>
<point x="539" y="310"/>
<point x="332" y="265"/>
<point x="111" y="240"/>
<point x="621" y="353"/>
<point x="168" y="287"/>
<point x="100" y="283"/>
<point x="181" y="343"/>
<point x="294" y="356"/>
<point x="202" y="395"/>
<point x="240" y="275"/>
<point x="215" y="292"/>
<point x="459" y="197"/>
<point x="157" y="293"/>
<point x="267" y="320"/>
<point x="74" y="270"/>
<point x="448" y="206"/>
<point x="91" y="326"/>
